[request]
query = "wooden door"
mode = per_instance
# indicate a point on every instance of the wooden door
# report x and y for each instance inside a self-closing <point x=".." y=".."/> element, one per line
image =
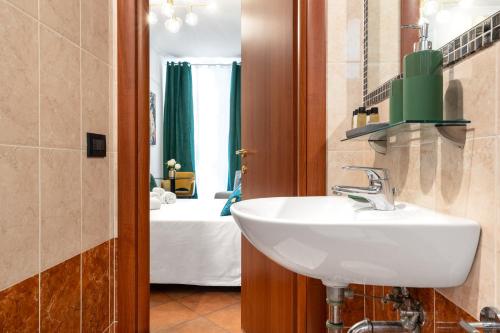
<point x="282" y="122"/>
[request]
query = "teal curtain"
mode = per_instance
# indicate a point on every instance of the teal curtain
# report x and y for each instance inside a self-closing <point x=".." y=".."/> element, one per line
<point x="178" y="120"/>
<point x="152" y="182"/>
<point x="234" y="125"/>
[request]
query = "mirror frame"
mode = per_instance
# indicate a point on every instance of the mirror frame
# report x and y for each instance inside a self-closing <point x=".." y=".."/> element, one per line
<point x="478" y="37"/>
<point x="410" y="13"/>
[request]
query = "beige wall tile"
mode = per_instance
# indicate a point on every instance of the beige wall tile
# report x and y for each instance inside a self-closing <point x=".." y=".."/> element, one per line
<point x="113" y="111"/>
<point x="498" y="88"/>
<point x="61" y="205"/>
<point x="18" y="77"/>
<point x="95" y="28"/>
<point x="95" y="96"/>
<point x="337" y="176"/>
<point x="497" y="235"/>
<point x="415" y="173"/>
<point x="29" y="6"/>
<point x="113" y="195"/>
<point x="345" y="31"/>
<point x="62" y="16"/>
<point x="466" y="187"/>
<point x="96" y="204"/>
<point x="470" y="95"/>
<point x="59" y="92"/>
<point x="384" y="24"/>
<point x="344" y="94"/>
<point x="19" y="219"/>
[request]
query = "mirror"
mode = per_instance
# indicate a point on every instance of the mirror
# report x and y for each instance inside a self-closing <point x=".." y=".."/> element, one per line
<point x="450" y="18"/>
<point x="385" y="42"/>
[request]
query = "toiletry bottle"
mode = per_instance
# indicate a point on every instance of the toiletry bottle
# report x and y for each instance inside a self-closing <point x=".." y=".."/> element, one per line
<point x="373" y="116"/>
<point x="396" y="102"/>
<point x="354" y="119"/>
<point x="423" y="80"/>
<point x="361" y="117"/>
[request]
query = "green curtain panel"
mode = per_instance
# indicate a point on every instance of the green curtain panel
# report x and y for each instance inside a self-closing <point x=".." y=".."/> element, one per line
<point x="178" y="120"/>
<point x="152" y="182"/>
<point x="234" y="125"/>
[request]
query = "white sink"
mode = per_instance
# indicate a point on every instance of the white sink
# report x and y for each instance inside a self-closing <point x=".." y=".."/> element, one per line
<point x="340" y="241"/>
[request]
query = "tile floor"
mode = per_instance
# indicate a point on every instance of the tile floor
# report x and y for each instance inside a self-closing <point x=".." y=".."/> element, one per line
<point x="192" y="309"/>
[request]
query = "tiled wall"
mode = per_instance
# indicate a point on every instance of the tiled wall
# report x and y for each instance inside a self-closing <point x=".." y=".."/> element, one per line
<point x="57" y="215"/>
<point x="428" y="171"/>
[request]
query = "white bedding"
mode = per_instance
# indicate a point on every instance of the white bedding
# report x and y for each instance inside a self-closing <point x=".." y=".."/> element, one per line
<point x="192" y="244"/>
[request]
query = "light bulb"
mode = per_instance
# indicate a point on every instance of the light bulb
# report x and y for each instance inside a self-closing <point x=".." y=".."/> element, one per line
<point x="152" y="18"/>
<point x="191" y="18"/>
<point x="431" y="7"/>
<point x="167" y="9"/>
<point x="173" y="24"/>
<point x="212" y="6"/>
<point x="443" y="16"/>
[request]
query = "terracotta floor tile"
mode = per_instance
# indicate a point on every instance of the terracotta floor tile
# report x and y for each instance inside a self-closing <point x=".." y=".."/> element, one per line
<point x="170" y="314"/>
<point x="158" y="298"/>
<point x="208" y="301"/>
<point x="228" y="318"/>
<point x="195" y="326"/>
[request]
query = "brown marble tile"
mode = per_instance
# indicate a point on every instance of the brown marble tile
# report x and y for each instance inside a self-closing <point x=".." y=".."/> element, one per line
<point x="60" y="297"/>
<point x="378" y="306"/>
<point x="354" y="309"/>
<point x="448" y="315"/>
<point x="116" y="279"/>
<point x="19" y="307"/>
<point x="426" y="298"/>
<point x="112" y="277"/>
<point x="95" y="292"/>
<point x="370" y="302"/>
<point x="383" y="311"/>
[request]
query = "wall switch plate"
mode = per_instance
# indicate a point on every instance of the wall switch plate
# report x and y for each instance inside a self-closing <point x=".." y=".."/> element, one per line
<point x="96" y="145"/>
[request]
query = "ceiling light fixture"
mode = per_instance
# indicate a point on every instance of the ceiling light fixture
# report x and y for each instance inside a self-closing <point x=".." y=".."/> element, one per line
<point x="173" y="24"/>
<point x="191" y="18"/>
<point x="169" y="9"/>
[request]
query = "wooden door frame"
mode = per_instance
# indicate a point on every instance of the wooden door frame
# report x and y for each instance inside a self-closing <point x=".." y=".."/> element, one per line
<point x="133" y="155"/>
<point x="133" y="166"/>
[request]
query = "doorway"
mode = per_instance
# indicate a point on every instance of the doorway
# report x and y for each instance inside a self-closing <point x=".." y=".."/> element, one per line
<point x="195" y="113"/>
<point x="301" y="39"/>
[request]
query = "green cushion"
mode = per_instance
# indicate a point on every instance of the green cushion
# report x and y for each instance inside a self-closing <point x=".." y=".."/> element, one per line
<point x="233" y="198"/>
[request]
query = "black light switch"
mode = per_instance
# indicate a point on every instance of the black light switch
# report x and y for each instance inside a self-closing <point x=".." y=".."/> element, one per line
<point x="96" y="145"/>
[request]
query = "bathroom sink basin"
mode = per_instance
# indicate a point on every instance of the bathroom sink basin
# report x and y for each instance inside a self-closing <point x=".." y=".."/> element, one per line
<point x="341" y="241"/>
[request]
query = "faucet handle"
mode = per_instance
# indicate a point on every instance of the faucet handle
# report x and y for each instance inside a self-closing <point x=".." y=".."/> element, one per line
<point x="372" y="173"/>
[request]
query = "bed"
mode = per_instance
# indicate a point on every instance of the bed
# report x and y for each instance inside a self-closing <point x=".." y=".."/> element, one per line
<point x="192" y="244"/>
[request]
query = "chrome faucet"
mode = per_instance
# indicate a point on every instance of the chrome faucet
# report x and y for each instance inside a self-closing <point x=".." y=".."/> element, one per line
<point x="379" y="192"/>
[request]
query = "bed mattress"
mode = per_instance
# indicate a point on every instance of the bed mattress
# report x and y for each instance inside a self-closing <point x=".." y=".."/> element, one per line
<point x="192" y="244"/>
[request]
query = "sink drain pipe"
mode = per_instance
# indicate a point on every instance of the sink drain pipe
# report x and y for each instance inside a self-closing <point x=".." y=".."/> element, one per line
<point x="335" y="299"/>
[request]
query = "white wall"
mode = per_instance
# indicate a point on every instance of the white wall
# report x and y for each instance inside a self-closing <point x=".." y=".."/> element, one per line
<point x="155" y="86"/>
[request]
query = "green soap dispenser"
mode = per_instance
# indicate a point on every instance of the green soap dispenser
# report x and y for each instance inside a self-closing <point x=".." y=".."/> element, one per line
<point x="423" y="80"/>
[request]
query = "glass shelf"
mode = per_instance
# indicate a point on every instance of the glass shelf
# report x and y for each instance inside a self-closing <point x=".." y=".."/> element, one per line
<point x="378" y="138"/>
